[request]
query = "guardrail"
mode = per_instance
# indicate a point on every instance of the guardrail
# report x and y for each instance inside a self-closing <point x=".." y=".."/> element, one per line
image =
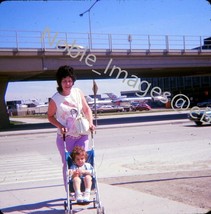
<point x="132" y="42"/>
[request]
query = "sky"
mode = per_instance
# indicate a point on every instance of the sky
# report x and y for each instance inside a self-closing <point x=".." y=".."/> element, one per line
<point x="148" y="17"/>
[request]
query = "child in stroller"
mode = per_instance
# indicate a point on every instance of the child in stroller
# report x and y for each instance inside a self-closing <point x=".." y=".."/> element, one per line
<point x="79" y="170"/>
<point x="81" y="177"/>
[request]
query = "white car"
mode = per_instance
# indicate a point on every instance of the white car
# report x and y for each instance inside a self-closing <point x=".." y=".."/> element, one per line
<point x="108" y="108"/>
<point x="75" y="46"/>
<point x="200" y="117"/>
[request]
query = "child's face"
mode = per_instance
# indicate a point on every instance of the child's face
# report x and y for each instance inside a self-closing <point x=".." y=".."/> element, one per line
<point x="80" y="160"/>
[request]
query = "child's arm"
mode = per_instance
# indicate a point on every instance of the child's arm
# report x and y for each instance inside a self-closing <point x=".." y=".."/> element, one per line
<point x="74" y="171"/>
<point x="88" y="171"/>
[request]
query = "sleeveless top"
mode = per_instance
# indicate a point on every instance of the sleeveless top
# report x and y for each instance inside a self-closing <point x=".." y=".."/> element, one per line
<point x="67" y="110"/>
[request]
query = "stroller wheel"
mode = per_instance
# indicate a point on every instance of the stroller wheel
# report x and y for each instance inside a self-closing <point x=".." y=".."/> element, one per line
<point x="65" y="205"/>
<point x="100" y="210"/>
<point x="68" y="211"/>
<point x="94" y="203"/>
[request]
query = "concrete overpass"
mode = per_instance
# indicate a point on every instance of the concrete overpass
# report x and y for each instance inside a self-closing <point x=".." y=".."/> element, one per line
<point x="91" y="62"/>
<point x="37" y="64"/>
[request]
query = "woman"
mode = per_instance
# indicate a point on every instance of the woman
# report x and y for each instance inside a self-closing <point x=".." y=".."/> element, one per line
<point x="62" y="111"/>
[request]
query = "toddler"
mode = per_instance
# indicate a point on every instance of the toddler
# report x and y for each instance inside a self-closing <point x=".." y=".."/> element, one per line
<point x="80" y="169"/>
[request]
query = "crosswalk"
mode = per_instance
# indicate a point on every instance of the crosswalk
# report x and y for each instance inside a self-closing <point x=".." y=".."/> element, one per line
<point x="20" y="168"/>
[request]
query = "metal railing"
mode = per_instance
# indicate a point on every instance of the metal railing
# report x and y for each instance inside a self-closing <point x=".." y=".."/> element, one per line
<point x="47" y="40"/>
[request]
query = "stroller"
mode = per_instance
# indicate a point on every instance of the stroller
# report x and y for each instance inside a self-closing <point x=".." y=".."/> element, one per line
<point x="95" y="198"/>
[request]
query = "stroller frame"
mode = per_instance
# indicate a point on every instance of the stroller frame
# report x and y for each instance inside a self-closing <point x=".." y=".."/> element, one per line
<point x="70" y="201"/>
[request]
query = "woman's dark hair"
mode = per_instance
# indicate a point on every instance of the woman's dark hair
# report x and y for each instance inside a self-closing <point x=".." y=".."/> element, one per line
<point x="63" y="72"/>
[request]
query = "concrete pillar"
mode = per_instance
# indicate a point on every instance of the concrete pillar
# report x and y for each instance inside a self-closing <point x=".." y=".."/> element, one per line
<point x="4" y="117"/>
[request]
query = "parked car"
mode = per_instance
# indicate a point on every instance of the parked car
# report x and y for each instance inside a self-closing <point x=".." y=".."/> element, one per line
<point x="108" y="108"/>
<point x="140" y="107"/>
<point x="200" y="117"/>
<point x="127" y="108"/>
<point x="205" y="103"/>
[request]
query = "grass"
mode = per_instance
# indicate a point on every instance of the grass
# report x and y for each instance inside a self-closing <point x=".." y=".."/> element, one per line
<point x="43" y="116"/>
<point x="30" y="116"/>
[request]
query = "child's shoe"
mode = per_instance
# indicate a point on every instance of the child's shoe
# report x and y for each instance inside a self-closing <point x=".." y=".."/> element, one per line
<point x="79" y="198"/>
<point x="87" y="197"/>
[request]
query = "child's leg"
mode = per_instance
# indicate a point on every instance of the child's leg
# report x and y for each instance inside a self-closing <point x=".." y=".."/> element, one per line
<point x="88" y="185"/>
<point x="77" y="187"/>
<point x="77" y="184"/>
<point x="88" y="182"/>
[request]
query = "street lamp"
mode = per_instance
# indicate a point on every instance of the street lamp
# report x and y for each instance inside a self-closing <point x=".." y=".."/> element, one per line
<point x="90" y="28"/>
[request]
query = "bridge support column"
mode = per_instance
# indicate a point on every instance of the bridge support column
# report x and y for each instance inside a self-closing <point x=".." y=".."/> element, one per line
<point x="4" y="117"/>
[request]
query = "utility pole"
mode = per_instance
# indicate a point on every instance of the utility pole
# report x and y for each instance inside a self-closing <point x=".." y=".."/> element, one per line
<point x="90" y="27"/>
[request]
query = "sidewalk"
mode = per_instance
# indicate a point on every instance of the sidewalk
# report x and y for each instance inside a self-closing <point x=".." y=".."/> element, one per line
<point x="49" y="198"/>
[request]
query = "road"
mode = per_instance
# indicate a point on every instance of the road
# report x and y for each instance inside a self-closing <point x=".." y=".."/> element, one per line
<point x="169" y="161"/>
<point x="107" y="119"/>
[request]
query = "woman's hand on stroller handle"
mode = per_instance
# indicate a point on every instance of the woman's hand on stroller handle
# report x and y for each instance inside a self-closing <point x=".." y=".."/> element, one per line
<point x="92" y="127"/>
<point x="63" y="130"/>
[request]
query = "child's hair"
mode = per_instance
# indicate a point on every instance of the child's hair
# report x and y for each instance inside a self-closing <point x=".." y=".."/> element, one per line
<point x="78" y="151"/>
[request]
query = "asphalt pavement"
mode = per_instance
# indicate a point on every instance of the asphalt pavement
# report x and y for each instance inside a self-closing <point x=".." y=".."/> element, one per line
<point x="48" y="196"/>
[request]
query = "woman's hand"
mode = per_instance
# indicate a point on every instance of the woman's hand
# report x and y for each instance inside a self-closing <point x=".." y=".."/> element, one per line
<point x="92" y="127"/>
<point x="63" y="130"/>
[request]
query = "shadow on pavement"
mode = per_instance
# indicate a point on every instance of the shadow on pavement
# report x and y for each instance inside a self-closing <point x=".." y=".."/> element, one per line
<point x="37" y="208"/>
<point x="51" y="205"/>
<point x="25" y="126"/>
<point x="160" y="180"/>
<point x="195" y="126"/>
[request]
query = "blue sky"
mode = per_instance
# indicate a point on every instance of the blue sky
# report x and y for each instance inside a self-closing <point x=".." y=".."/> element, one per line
<point x="154" y="17"/>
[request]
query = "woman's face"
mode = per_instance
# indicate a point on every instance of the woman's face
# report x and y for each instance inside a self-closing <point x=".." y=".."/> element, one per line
<point x="66" y="84"/>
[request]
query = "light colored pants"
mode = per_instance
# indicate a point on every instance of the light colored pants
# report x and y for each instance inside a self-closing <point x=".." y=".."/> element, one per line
<point x="71" y="142"/>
